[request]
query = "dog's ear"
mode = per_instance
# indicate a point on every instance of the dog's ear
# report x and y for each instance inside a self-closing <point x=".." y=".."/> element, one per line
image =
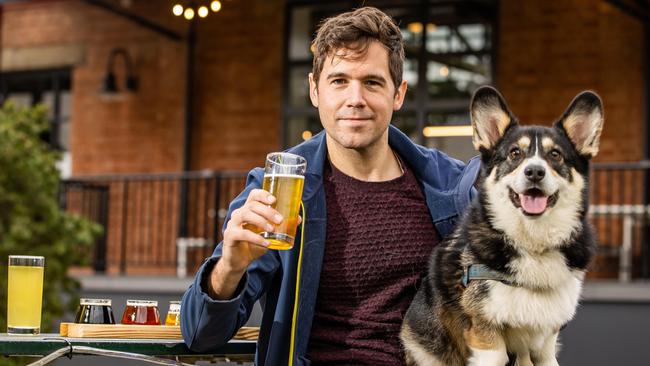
<point x="583" y="123"/>
<point x="490" y="117"/>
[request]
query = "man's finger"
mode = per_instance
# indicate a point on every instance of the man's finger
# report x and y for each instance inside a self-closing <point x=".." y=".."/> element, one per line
<point x="260" y="195"/>
<point x="243" y="235"/>
<point x="267" y="212"/>
<point x="250" y="217"/>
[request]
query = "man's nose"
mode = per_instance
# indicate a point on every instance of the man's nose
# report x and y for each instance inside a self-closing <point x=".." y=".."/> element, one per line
<point x="356" y="96"/>
<point x="535" y="173"/>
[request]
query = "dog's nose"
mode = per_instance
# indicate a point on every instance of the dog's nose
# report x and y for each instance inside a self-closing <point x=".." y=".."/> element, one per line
<point x="535" y="173"/>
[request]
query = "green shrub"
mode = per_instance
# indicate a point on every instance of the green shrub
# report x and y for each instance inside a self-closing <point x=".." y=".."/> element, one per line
<point x="31" y="221"/>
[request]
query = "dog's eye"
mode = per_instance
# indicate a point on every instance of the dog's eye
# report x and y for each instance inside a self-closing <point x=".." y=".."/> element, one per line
<point x="515" y="153"/>
<point x="555" y="155"/>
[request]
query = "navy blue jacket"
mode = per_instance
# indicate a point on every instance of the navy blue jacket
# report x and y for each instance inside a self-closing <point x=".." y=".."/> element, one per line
<point x="207" y="323"/>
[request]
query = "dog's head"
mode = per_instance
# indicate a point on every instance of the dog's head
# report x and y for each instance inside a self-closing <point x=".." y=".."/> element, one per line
<point x="534" y="178"/>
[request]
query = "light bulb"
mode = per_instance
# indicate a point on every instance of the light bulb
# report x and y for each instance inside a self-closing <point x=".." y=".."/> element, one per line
<point x="189" y="13"/>
<point x="203" y="12"/>
<point x="177" y="10"/>
<point x="215" y="6"/>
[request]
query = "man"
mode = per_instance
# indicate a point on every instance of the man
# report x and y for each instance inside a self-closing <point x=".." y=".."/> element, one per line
<point x="375" y="206"/>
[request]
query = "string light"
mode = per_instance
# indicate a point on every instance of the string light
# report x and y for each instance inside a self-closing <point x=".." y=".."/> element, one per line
<point x="203" y="11"/>
<point x="188" y="12"/>
<point x="177" y="10"/>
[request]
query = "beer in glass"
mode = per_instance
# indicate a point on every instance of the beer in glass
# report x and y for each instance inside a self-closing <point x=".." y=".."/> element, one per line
<point x="174" y="313"/>
<point x="95" y="311"/>
<point x="144" y="312"/>
<point x="25" y="294"/>
<point x="284" y="177"/>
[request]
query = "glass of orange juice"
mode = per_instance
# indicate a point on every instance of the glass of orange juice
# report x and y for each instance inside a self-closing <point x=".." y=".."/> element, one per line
<point x="25" y="294"/>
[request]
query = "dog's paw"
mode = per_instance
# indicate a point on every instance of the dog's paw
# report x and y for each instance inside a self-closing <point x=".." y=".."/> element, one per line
<point x="487" y="357"/>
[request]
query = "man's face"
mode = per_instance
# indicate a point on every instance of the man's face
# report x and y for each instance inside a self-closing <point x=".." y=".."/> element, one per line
<point x="356" y="97"/>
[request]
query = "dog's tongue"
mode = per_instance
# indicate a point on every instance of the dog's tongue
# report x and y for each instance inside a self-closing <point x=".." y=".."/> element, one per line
<point x="533" y="204"/>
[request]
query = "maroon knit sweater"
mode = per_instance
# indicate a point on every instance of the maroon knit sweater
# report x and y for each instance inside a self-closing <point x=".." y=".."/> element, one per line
<point x="379" y="237"/>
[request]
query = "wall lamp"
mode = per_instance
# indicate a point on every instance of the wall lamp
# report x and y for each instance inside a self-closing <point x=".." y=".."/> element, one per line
<point x="110" y="85"/>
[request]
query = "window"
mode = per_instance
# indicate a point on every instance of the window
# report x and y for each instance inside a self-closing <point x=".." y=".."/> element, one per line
<point x="49" y="87"/>
<point x="449" y="54"/>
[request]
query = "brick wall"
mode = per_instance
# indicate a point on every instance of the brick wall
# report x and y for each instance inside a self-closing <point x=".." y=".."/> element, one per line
<point x="131" y="133"/>
<point x="238" y="83"/>
<point x="549" y="51"/>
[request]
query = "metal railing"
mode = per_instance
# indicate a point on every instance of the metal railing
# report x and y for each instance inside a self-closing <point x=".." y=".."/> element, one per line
<point x="145" y="216"/>
<point x="151" y="227"/>
<point x="620" y="213"/>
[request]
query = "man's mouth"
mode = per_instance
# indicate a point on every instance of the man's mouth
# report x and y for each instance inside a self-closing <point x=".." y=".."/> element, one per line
<point x="533" y="202"/>
<point x="353" y="119"/>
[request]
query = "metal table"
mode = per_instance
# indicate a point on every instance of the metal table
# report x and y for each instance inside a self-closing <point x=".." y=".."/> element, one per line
<point x="53" y="346"/>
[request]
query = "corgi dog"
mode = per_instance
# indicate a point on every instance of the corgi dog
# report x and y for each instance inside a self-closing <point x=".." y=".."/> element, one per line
<point x="510" y="275"/>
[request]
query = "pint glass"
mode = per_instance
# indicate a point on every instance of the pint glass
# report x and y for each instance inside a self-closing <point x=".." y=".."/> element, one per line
<point x="24" y="294"/>
<point x="284" y="177"/>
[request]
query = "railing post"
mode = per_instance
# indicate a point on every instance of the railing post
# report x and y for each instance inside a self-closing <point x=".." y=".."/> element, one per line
<point x="125" y="212"/>
<point x="102" y="219"/>
<point x="217" y="201"/>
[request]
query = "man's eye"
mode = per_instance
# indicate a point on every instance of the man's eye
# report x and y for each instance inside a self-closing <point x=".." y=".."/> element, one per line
<point x="372" y="83"/>
<point x="338" y="81"/>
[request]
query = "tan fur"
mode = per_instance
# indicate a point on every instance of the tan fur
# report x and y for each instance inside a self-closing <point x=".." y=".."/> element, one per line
<point x="484" y="137"/>
<point x="586" y="136"/>
<point x="547" y="143"/>
<point x="524" y="142"/>
<point x="483" y="338"/>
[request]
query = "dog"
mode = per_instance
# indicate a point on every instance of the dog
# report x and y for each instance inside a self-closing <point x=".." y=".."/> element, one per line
<point x="510" y="275"/>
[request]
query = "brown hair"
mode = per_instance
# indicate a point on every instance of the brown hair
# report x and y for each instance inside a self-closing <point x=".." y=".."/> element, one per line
<point x="355" y="30"/>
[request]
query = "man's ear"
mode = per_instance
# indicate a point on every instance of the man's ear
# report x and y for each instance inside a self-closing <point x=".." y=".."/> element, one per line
<point x="490" y="117"/>
<point x="583" y="123"/>
<point x="400" y="92"/>
<point x="313" y="90"/>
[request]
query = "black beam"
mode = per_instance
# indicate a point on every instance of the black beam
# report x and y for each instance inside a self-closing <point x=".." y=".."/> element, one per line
<point x="640" y="13"/>
<point x="645" y="252"/>
<point x="137" y="19"/>
<point x="187" y="130"/>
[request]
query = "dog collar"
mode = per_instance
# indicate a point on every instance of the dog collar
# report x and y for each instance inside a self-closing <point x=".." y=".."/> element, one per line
<point x="482" y="272"/>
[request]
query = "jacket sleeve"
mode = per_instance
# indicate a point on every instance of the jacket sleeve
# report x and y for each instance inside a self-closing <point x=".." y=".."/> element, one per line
<point x="466" y="191"/>
<point x="207" y="324"/>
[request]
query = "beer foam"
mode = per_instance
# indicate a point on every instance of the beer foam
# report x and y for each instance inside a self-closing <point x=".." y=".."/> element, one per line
<point x="98" y="302"/>
<point x="274" y="175"/>
<point x="141" y="303"/>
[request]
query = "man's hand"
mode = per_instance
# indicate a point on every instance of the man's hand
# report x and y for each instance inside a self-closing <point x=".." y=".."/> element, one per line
<point x="241" y="245"/>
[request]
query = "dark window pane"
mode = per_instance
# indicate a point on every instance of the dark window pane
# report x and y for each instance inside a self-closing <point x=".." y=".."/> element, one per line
<point x="300" y="129"/>
<point x="299" y="86"/>
<point x="407" y="123"/>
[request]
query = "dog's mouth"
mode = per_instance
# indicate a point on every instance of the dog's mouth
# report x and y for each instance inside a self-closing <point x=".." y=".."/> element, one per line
<point x="533" y="202"/>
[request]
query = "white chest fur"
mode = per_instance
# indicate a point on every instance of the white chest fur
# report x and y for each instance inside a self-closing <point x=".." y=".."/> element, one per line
<point x="522" y="307"/>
